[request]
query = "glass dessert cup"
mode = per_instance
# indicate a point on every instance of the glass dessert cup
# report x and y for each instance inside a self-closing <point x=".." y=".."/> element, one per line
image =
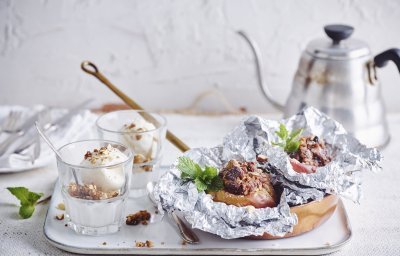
<point x="95" y="178"/>
<point x="144" y="133"/>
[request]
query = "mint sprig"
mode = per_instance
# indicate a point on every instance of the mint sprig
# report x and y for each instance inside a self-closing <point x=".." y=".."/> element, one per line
<point x="27" y="200"/>
<point x="290" y="142"/>
<point x="206" y="179"/>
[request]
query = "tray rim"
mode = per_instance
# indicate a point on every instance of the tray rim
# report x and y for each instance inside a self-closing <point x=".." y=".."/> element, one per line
<point x="206" y="251"/>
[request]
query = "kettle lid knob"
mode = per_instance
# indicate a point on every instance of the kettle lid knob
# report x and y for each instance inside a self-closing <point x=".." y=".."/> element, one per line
<point x="338" y="32"/>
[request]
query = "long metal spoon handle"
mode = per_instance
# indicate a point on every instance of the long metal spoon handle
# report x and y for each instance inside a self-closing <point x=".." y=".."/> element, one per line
<point x="46" y="139"/>
<point x="50" y="144"/>
<point x="187" y="233"/>
<point x="91" y="69"/>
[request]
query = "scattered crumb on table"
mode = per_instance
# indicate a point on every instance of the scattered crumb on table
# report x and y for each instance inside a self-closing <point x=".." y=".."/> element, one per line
<point x="147" y="244"/>
<point x="60" y="216"/>
<point x="184" y="242"/>
<point x="104" y="243"/>
<point x="61" y="206"/>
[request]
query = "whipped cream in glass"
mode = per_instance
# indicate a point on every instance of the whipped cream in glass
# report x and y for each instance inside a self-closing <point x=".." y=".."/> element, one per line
<point x="144" y="133"/>
<point x="107" y="179"/>
<point x="137" y="136"/>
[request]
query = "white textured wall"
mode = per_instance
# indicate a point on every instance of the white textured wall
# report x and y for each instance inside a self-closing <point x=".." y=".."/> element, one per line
<point x="165" y="53"/>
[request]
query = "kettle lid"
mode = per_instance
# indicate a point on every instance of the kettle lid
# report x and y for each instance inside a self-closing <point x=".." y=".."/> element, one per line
<point x="338" y="47"/>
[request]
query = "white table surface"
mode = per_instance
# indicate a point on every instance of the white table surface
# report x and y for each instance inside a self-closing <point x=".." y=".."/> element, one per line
<point x="375" y="222"/>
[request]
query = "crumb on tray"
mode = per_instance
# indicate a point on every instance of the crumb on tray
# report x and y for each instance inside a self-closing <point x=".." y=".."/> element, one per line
<point x="140" y="217"/>
<point x="147" y="244"/>
<point x="61" y="206"/>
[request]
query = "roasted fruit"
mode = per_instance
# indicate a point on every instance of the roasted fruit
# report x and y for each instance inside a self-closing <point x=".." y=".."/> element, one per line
<point x="312" y="153"/>
<point x="244" y="185"/>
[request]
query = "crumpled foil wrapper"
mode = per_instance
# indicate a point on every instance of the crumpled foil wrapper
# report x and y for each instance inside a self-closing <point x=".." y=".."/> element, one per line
<point x="342" y="176"/>
<point x="227" y="221"/>
<point x="250" y="138"/>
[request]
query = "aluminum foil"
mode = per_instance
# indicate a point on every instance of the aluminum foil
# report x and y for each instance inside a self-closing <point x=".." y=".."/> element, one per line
<point x="254" y="136"/>
<point x="342" y="176"/>
<point x="202" y="212"/>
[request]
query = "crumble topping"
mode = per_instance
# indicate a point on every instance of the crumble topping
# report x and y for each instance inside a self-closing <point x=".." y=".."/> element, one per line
<point x="141" y="217"/>
<point x="312" y="151"/>
<point x="130" y="126"/>
<point x="102" y="155"/>
<point x="90" y="192"/>
<point x="244" y="178"/>
<point x="141" y="159"/>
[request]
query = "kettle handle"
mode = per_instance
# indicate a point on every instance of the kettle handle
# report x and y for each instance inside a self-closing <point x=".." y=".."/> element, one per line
<point x="382" y="59"/>
<point x="259" y="67"/>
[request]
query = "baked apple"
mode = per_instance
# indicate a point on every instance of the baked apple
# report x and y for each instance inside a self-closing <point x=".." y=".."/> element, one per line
<point x="312" y="153"/>
<point x="244" y="184"/>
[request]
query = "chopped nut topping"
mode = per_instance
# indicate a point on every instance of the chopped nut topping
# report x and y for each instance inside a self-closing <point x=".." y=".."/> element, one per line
<point x="102" y="154"/>
<point x="138" y="136"/>
<point x="148" y="244"/>
<point x="139" y="159"/>
<point x="130" y="126"/>
<point x="262" y="159"/>
<point x="141" y="217"/>
<point x="60" y="216"/>
<point x="90" y="192"/>
<point x="61" y="206"/>
<point x="148" y="168"/>
<point x="88" y="155"/>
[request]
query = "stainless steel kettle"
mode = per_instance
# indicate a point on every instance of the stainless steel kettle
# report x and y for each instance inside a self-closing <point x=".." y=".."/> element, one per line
<point x="338" y="76"/>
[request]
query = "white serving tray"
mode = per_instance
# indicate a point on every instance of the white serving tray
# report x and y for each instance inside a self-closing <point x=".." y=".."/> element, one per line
<point x="327" y="238"/>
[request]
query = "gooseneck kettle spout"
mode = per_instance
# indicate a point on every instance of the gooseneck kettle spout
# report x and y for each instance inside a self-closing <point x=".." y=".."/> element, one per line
<point x="259" y="67"/>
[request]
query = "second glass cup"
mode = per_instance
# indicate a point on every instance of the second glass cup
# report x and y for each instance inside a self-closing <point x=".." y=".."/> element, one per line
<point x="144" y="133"/>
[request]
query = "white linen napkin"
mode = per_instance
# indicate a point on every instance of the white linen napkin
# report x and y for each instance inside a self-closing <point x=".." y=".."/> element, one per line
<point x="80" y="126"/>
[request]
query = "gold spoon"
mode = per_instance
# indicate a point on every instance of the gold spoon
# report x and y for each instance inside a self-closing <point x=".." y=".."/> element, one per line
<point x="91" y="69"/>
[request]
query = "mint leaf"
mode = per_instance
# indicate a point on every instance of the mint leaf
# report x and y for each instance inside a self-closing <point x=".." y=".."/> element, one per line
<point x="198" y="171"/>
<point x="289" y="142"/>
<point x="27" y="200"/>
<point x="209" y="172"/>
<point x="26" y="211"/>
<point x="292" y="146"/>
<point x="206" y="179"/>
<point x="201" y="186"/>
<point x="216" y="184"/>
<point x="188" y="168"/>
<point x="283" y="132"/>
